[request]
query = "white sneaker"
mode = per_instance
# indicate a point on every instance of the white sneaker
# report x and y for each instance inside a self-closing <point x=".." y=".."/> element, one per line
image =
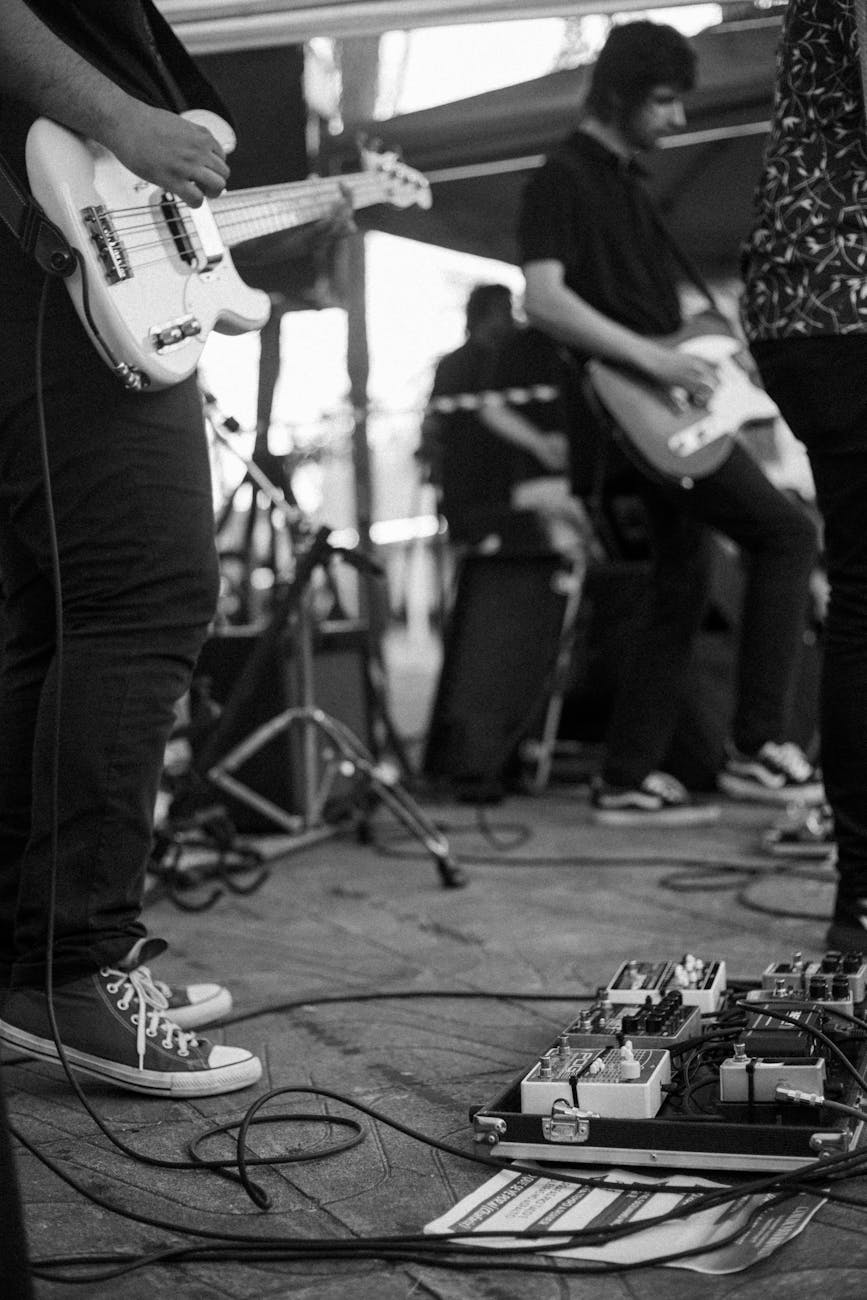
<point x="776" y="774"/>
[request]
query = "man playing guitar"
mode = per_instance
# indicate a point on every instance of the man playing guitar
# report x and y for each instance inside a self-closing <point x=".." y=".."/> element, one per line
<point x="602" y="277"/>
<point x="132" y="509"/>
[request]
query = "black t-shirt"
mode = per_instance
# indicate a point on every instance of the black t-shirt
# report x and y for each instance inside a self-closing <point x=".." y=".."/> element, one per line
<point x="131" y="43"/>
<point x="590" y="210"/>
<point x="475" y="464"/>
<point x="531" y="362"/>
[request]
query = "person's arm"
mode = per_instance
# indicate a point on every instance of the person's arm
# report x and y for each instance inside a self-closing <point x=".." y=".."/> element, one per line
<point x="558" y="311"/>
<point x="551" y="450"/>
<point x="40" y="69"/>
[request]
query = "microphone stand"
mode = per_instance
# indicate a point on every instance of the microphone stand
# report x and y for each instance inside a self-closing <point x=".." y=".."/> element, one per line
<point x="345" y="754"/>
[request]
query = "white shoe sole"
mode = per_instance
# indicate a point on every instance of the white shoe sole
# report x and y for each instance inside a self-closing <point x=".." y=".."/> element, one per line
<point x="693" y="815"/>
<point x="737" y="787"/>
<point x="151" y="1083"/>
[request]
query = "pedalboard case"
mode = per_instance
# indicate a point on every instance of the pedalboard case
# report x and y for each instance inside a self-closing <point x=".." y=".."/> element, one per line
<point x="669" y="1069"/>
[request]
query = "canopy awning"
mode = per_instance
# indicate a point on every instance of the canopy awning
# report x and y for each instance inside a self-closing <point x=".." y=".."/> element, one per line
<point x="212" y="26"/>
<point x="478" y="152"/>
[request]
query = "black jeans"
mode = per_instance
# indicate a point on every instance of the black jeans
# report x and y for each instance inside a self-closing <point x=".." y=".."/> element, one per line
<point x="132" y="499"/>
<point x="779" y="544"/>
<point x="820" y="385"/>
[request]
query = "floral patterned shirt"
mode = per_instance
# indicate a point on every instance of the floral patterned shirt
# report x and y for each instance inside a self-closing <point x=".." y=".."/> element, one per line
<point x="805" y="263"/>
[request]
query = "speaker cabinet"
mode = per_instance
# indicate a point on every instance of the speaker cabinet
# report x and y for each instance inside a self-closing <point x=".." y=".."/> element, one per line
<point x="499" y="654"/>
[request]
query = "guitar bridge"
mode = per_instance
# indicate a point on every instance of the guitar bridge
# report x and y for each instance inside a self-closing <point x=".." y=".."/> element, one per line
<point x="110" y="251"/>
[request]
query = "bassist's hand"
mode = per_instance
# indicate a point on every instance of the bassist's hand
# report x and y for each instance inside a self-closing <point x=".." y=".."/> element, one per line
<point x="170" y="151"/>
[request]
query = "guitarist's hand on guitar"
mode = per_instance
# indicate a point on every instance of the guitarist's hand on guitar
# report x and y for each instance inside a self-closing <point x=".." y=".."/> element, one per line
<point x="687" y="377"/>
<point x="170" y="151"/>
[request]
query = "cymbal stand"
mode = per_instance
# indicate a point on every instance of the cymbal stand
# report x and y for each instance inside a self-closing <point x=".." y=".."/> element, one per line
<point x="344" y="754"/>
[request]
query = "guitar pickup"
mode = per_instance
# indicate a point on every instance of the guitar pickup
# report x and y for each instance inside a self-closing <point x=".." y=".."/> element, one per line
<point x="110" y="251"/>
<point x="168" y="336"/>
<point x="198" y="222"/>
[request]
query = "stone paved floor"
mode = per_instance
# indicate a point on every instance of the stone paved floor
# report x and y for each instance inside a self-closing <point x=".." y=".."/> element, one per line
<point x="552" y="906"/>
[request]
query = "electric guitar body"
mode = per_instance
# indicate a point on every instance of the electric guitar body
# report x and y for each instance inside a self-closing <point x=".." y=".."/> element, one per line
<point x="155" y="276"/>
<point x="674" y="438"/>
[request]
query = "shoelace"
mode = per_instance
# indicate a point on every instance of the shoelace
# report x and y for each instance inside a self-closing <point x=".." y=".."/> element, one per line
<point x="150" y="1018"/>
<point x="162" y="987"/>
<point x="791" y="759"/>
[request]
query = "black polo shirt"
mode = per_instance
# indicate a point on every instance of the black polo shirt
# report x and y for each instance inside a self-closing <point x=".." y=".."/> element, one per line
<point x="589" y="209"/>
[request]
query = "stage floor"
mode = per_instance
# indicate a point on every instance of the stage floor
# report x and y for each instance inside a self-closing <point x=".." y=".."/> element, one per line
<point x="552" y="906"/>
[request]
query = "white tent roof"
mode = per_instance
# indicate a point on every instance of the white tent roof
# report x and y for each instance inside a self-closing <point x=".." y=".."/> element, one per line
<point x="211" y="26"/>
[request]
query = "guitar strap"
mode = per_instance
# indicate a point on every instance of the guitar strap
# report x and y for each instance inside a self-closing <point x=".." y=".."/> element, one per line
<point x="684" y="261"/>
<point x="38" y="237"/>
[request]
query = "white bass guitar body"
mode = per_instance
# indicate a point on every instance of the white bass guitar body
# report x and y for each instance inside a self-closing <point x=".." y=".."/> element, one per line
<point x="156" y="276"/>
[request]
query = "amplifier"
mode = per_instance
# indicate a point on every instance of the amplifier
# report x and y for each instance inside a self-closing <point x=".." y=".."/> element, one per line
<point x="499" y="654"/>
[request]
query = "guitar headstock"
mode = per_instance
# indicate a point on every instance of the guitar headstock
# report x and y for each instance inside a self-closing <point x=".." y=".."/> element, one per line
<point x="402" y="186"/>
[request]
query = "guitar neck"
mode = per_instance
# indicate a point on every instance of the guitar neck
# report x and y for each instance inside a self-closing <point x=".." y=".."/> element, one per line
<point x="265" y="210"/>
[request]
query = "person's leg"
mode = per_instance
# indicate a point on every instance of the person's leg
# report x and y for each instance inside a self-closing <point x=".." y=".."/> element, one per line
<point x="820" y="388"/>
<point x="133" y="513"/>
<point x="779" y="547"/>
<point x="27" y="652"/>
<point x="647" y="703"/>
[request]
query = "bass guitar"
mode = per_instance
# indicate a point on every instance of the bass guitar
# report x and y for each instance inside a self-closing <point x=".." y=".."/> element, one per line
<point x="670" y="435"/>
<point x="155" y="276"/>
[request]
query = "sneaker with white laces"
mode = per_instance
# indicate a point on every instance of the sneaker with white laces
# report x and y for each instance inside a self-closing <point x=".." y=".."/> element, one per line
<point x="192" y="1005"/>
<point x="113" y="1025"/>
<point x="775" y="774"/>
<point x="660" y="800"/>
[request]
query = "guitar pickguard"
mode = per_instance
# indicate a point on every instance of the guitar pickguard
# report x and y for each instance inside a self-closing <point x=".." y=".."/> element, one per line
<point x="684" y="442"/>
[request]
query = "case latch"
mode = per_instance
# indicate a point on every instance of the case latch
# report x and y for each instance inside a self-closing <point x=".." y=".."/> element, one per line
<point x="567" y="1123"/>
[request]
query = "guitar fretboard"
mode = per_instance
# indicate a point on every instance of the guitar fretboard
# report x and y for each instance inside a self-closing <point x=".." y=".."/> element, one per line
<point x="267" y="209"/>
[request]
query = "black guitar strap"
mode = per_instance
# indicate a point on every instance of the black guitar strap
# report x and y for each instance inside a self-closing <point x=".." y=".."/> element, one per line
<point x="684" y="261"/>
<point x="38" y="237"/>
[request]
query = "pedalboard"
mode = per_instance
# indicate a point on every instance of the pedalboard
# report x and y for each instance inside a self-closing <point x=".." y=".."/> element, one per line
<point x="670" y="1069"/>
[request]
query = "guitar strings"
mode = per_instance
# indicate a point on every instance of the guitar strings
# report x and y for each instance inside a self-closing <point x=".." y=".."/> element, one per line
<point x="260" y="209"/>
<point x="241" y="202"/>
<point x="232" y="213"/>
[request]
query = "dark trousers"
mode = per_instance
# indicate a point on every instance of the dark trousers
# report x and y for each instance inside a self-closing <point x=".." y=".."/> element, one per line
<point x="132" y="500"/>
<point x="820" y="385"/>
<point x="779" y="545"/>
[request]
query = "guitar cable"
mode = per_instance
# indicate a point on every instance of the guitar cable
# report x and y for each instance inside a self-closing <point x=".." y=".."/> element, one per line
<point x="129" y="377"/>
<point x="54" y="755"/>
